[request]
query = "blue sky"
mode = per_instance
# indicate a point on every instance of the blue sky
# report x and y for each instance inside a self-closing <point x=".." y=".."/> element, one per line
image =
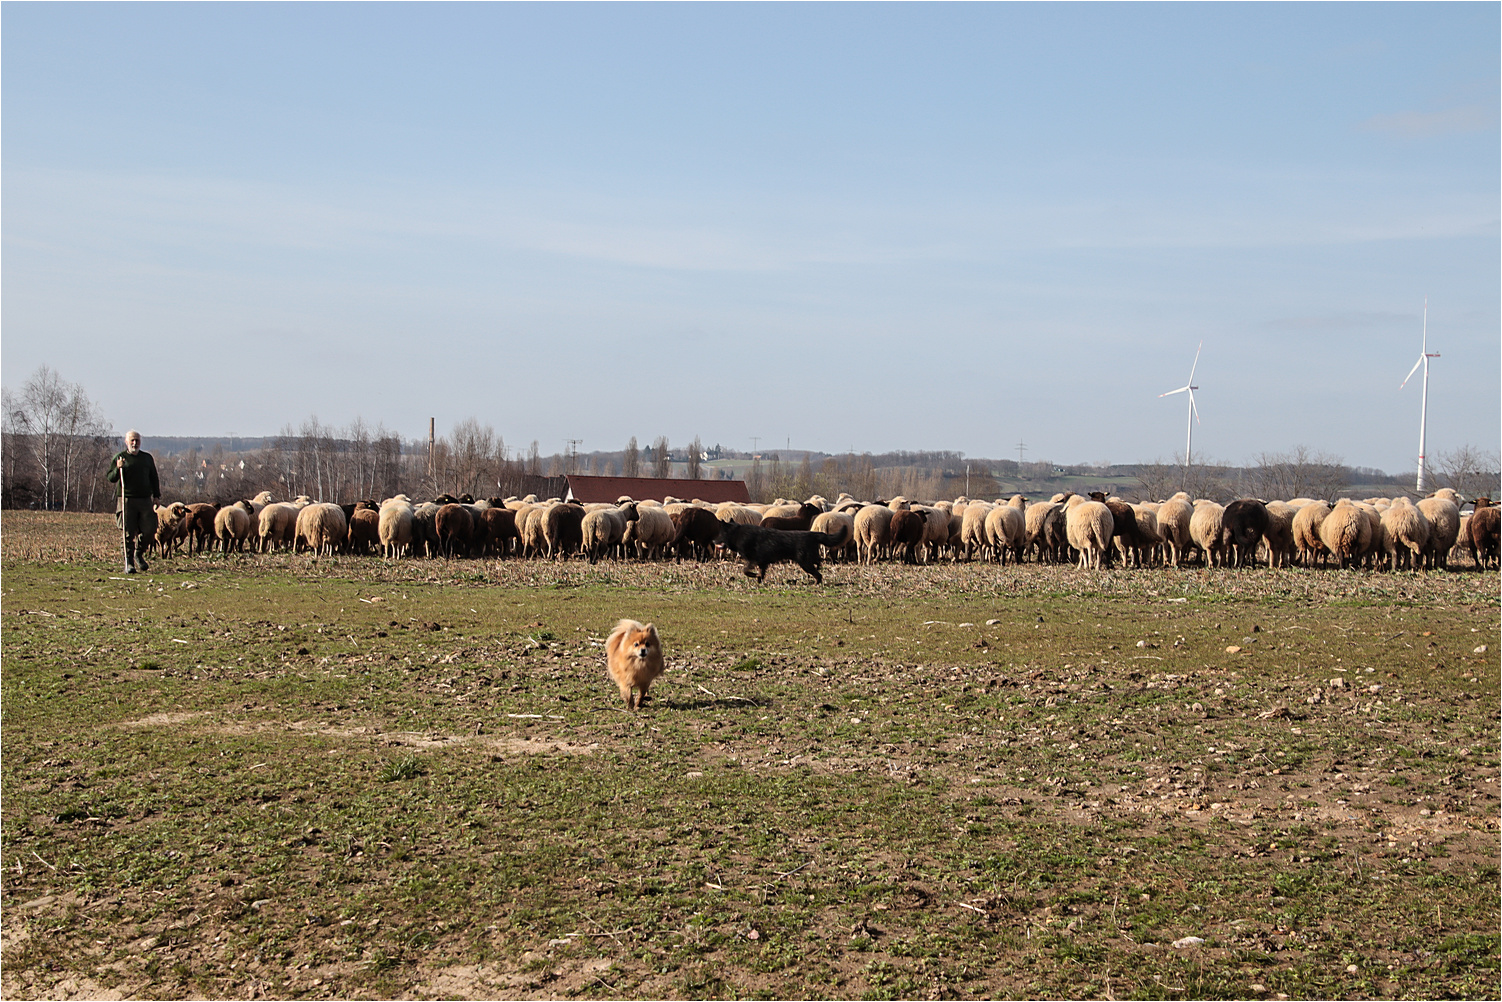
<point x="852" y="226"/>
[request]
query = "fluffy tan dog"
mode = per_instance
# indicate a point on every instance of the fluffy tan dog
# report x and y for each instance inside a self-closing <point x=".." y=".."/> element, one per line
<point x="633" y="653"/>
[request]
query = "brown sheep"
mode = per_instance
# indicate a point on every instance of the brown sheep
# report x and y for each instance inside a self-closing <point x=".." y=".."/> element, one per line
<point x="455" y="524"/>
<point x="907" y="530"/>
<point x="500" y="529"/>
<point x="200" y="519"/>
<point x="697" y="529"/>
<point x="364" y="530"/>
<point x="1484" y="536"/>
<point x="1243" y="525"/>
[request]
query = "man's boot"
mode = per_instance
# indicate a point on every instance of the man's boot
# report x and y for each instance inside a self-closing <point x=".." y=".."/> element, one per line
<point x="130" y="557"/>
<point x="141" y="564"/>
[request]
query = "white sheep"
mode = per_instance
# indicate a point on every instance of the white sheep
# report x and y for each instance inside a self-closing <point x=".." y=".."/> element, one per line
<point x="171" y="527"/>
<point x="1150" y="535"/>
<point x="834" y="522"/>
<point x="1405" y="534"/>
<point x="1174" y="518"/>
<point x="652" y="532"/>
<point x="1306" y="538"/>
<point x="278" y="523"/>
<point x="604" y="529"/>
<point x="973" y="529"/>
<point x="740" y="514"/>
<point x="1205" y="531"/>
<point x="873" y="532"/>
<point x="321" y="527"/>
<point x="1443" y="513"/>
<point x="1006" y="529"/>
<point x="529" y="526"/>
<point x="232" y="525"/>
<point x="1043" y="526"/>
<point x="1279" y="536"/>
<point x="935" y="531"/>
<point x="1089" y="526"/>
<point x="1346" y="532"/>
<point x="396" y="526"/>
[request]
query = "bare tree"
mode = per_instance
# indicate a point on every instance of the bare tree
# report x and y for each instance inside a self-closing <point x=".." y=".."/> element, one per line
<point x="475" y="452"/>
<point x="19" y="472"/>
<point x="64" y="433"/>
<point x="755" y="480"/>
<point x="860" y="477"/>
<point x="1159" y="481"/>
<point x="631" y="461"/>
<point x="662" y="460"/>
<point x="695" y="459"/>
<point x="1214" y="481"/>
<point x="1301" y="472"/>
<point x="1469" y="470"/>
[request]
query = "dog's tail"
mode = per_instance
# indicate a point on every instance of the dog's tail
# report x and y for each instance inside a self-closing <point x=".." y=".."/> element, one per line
<point x="833" y="539"/>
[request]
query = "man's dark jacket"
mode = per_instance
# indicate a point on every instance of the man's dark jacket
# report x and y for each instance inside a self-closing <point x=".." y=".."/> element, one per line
<point x="140" y="475"/>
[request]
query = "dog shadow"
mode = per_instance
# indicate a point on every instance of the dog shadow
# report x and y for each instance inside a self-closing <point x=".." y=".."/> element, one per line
<point x="718" y="703"/>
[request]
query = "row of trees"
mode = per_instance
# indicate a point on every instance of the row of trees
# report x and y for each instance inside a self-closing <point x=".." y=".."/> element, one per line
<point x="1305" y="472"/>
<point x="57" y="446"/>
<point x="56" y="443"/>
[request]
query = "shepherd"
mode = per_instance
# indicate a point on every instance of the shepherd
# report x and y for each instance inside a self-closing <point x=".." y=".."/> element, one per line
<point x="135" y="472"/>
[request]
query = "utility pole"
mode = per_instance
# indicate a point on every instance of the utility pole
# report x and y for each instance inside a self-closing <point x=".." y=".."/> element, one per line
<point x="572" y="454"/>
<point x="1020" y="450"/>
<point x="754" y="440"/>
<point x="431" y="441"/>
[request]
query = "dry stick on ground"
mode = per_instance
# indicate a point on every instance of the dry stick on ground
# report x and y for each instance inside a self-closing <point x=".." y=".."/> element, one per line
<point x="606" y="932"/>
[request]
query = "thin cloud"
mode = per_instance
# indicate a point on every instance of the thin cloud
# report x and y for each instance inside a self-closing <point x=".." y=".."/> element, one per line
<point x="1428" y="124"/>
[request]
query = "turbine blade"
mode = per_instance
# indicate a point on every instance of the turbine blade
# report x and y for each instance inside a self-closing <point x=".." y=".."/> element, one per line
<point x="1411" y="372"/>
<point x="1170" y="393"/>
<point x="1196" y="361"/>
<point x="1193" y="409"/>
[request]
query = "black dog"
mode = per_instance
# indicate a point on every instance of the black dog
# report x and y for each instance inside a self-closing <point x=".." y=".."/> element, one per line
<point x="760" y="548"/>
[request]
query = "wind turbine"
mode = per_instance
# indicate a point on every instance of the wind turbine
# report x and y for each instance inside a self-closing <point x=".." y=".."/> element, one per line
<point x="1424" y="356"/>
<point x="1194" y="414"/>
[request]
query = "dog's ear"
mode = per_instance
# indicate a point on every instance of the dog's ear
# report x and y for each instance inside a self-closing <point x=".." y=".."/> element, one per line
<point x="651" y="630"/>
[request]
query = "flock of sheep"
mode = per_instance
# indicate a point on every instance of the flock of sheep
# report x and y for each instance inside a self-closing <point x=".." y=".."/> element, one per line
<point x="1093" y="531"/>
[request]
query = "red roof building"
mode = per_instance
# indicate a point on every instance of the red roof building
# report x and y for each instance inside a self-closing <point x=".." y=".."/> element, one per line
<point x="611" y="489"/>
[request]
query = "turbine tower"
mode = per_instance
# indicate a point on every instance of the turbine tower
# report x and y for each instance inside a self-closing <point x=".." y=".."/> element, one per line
<point x="1194" y="414"/>
<point x="1424" y="356"/>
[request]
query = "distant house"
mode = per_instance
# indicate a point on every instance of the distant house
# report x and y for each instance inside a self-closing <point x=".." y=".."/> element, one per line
<point x="611" y="489"/>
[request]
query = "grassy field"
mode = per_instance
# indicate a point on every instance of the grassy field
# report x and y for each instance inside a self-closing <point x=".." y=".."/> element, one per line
<point x="298" y="778"/>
